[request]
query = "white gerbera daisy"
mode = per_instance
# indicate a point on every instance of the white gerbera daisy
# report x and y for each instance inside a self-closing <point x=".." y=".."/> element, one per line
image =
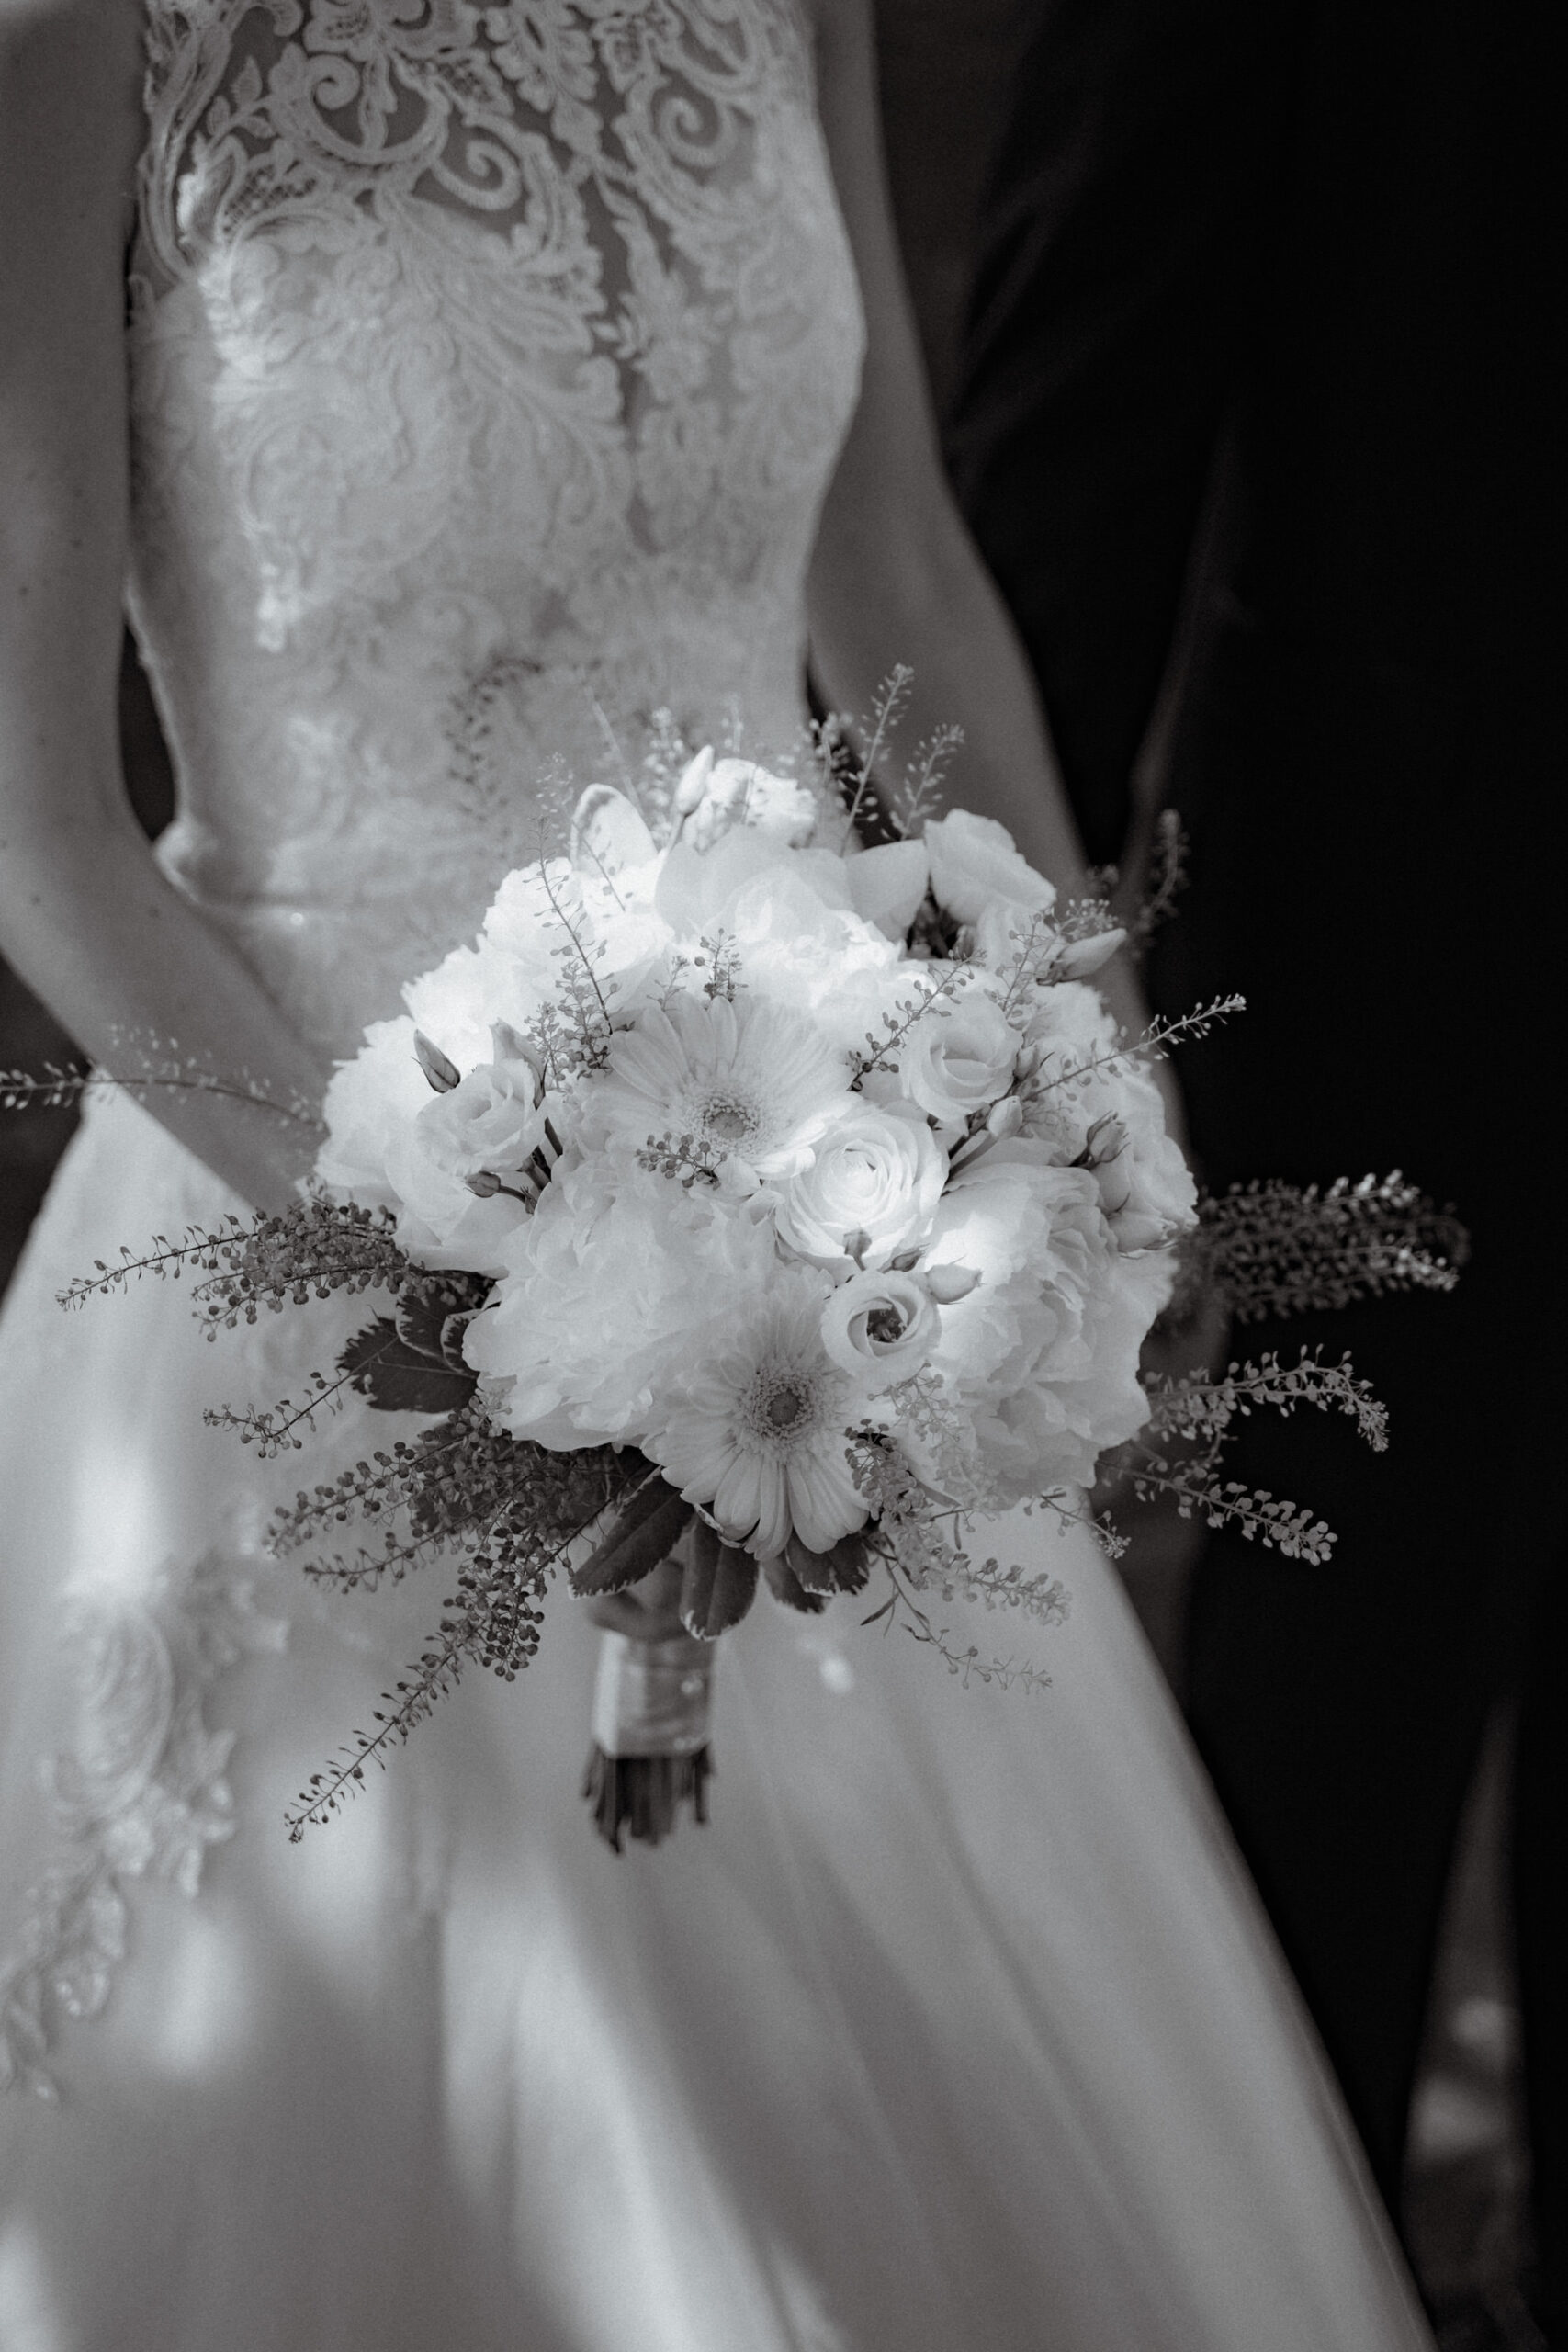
<point x="760" y="1433"/>
<point x="745" y="1081"/>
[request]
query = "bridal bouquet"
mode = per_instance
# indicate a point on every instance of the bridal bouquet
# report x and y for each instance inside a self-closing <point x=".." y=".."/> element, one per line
<point x="759" y="1208"/>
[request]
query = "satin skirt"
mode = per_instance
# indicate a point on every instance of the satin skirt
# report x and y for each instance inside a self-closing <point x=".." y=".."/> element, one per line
<point x="959" y="2029"/>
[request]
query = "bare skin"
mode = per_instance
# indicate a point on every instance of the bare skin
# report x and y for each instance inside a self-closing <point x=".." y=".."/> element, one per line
<point x="85" y="914"/>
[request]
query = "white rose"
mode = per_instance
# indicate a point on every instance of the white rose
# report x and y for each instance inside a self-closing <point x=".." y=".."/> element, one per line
<point x="974" y="861"/>
<point x="487" y="1123"/>
<point x="874" y="1182"/>
<point x="880" y="1328"/>
<point x="958" y="1057"/>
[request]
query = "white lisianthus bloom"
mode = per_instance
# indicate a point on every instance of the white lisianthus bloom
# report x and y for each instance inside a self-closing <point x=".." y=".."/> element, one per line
<point x="880" y="1328"/>
<point x="759" y="1431"/>
<point x="747" y="1081"/>
<point x="608" y="1291"/>
<point x="958" y="1059"/>
<point x="488" y="1122"/>
<point x="1088" y="1105"/>
<point x="713" y="795"/>
<point x="870" y="1189"/>
<point x="975" y="861"/>
<point x="888" y="883"/>
<point x="1040" y="1355"/>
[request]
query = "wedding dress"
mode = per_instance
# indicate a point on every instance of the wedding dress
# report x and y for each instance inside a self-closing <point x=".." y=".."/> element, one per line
<point x="488" y="365"/>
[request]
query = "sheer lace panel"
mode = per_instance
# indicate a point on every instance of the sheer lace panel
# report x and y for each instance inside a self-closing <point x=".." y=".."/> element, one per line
<point x="608" y="156"/>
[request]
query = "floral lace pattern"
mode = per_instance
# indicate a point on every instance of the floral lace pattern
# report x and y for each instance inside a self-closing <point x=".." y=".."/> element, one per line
<point x="141" y="1792"/>
<point x="482" y="355"/>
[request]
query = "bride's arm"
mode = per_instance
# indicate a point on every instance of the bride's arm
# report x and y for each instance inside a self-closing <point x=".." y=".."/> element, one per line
<point x="895" y="576"/>
<point x="86" y="915"/>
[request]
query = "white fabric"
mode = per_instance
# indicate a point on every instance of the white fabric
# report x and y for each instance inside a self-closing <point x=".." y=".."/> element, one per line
<point x="958" y="2030"/>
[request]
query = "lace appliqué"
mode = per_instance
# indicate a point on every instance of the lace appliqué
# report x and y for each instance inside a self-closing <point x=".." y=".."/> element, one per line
<point x="140" y="1792"/>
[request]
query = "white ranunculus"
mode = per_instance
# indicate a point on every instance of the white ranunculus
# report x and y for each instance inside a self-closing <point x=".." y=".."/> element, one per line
<point x="973" y="862"/>
<point x="880" y="1328"/>
<point x="870" y="1190"/>
<point x="958" y="1059"/>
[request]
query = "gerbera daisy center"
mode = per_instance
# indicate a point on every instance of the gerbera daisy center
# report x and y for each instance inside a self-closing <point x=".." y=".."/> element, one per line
<point x="780" y="1405"/>
<point x="730" y="1118"/>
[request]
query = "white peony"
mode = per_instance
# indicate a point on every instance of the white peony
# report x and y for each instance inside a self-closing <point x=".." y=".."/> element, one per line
<point x="869" y="1189"/>
<point x="608" y="1289"/>
<point x="1040" y="1357"/>
<point x="369" y="1101"/>
<point x="975" y="861"/>
<point x="759" y="1431"/>
<point x="880" y="1328"/>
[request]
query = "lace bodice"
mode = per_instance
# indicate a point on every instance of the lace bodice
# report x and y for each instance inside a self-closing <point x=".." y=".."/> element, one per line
<point x="489" y="366"/>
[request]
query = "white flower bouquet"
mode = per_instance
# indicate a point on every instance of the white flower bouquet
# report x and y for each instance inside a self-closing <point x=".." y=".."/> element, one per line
<point x="763" y="1208"/>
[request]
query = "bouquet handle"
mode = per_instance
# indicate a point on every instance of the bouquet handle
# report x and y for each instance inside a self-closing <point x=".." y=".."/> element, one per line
<point x="653" y="1708"/>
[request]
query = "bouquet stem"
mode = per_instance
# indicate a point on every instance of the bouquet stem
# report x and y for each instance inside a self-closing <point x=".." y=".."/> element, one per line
<point x="652" y="1705"/>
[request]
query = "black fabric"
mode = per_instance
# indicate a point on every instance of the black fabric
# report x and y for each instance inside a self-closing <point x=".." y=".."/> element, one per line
<point x="1308" y="255"/>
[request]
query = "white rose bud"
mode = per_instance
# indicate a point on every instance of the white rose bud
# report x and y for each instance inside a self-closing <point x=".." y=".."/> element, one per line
<point x="874" y="1180"/>
<point x="956" y="1063"/>
<point x="880" y="1328"/>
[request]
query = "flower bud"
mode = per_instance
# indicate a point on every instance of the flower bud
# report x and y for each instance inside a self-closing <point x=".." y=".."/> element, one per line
<point x="693" y="782"/>
<point x="947" y="1284"/>
<point x="442" y="1072"/>
<point x="1075" y="960"/>
<point x="1107" y="1139"/>
<point x="1005" y="1118"/>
